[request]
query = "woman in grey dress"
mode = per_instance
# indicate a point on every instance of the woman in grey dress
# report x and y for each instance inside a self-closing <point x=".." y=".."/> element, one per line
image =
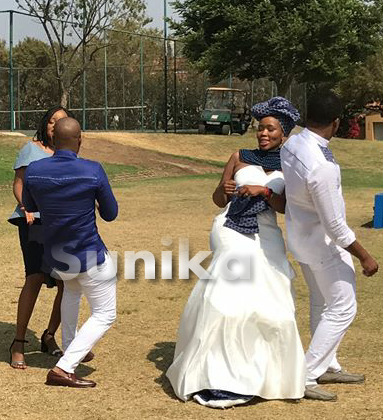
<point x="29" y="226"/>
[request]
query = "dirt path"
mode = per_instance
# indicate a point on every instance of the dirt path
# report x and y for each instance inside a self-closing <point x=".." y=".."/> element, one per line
<point x="150" y="163"/>
<point x="153" y="163"/>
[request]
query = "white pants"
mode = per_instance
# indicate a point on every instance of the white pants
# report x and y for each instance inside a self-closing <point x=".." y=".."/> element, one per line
<point x="332" y="310"/>
<point x="99" y="287"/>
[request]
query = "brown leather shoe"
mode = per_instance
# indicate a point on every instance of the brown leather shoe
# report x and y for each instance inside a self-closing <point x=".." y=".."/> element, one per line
<point x="88" y="357"/>
<point x="70" y="380"/>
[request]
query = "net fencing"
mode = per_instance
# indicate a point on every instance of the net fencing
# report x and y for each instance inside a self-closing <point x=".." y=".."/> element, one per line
<point x="131" y="84"/>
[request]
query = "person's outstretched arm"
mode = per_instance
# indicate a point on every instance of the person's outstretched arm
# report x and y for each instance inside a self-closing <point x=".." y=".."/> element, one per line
<point x="369" y="265"/>
<point x="107" y="204"/>
<point x="322" y="185"/>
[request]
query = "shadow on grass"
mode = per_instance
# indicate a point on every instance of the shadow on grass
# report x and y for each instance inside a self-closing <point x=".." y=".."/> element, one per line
<point x="368" y="225"/>
<point x="33" y="355"/>
<point x="162" y="356"/>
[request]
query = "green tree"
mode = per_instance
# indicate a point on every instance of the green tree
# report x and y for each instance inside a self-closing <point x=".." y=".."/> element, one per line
<point x="364" y="85"/>
<point x="34" y="79"/>
<point x="283" y="40"/>
<point x="75" y="31"/>
<point x="32" y="52"/>
<point x="3" y="54"/>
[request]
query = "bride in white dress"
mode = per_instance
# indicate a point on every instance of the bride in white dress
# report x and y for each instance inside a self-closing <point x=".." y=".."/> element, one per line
<point x="238" y="338"/>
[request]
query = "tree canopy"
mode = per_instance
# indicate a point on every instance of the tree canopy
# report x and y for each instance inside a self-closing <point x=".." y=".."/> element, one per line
<point x="135" y="76"/>
<point x="76" y="28"/>
<point x="283" y="40"/>
<point x="364" y="85"/>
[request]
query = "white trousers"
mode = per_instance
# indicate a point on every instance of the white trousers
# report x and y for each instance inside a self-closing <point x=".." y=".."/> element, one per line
<point x="332" y="310"/>
<point x="99" y="287"/>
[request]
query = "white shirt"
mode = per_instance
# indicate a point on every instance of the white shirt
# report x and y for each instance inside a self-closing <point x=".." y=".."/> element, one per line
<point x="315" y="211"/>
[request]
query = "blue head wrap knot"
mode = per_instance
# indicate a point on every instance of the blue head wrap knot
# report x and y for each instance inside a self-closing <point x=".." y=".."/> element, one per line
<point x="279" y="108"/>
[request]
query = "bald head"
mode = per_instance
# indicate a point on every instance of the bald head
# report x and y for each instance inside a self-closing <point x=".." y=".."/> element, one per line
<point x="67" y="134"/>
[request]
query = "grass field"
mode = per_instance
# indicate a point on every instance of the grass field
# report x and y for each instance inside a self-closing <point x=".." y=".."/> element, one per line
<point x="163" y="184"/>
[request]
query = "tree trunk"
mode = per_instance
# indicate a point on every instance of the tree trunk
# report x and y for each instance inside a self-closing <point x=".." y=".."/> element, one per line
<point x="281" y="89"/>
<point x="64" y="98"/>
<point x="283" y="85"/>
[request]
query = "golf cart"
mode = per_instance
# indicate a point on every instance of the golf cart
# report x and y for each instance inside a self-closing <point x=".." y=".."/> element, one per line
<point x="225" y="112"/>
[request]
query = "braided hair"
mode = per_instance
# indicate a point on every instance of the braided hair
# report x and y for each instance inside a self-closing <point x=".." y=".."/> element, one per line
<point x="41" y="133"/>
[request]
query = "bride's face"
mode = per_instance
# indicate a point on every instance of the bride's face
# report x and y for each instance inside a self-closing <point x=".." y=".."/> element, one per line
<point x="270" y="134"/>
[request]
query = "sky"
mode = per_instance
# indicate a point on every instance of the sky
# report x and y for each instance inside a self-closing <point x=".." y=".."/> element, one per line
<point x="23" y="26"/>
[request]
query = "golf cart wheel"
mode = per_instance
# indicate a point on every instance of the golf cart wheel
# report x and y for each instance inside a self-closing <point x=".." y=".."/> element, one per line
<point x="201" y="129"/>
<point x="226" y="130"/>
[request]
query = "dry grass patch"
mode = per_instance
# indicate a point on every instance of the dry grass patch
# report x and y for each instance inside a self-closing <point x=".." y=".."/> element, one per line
<point x="132" y="358"/>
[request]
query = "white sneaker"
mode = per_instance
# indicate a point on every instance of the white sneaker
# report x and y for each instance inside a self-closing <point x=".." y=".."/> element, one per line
<point x="220" y="403"/>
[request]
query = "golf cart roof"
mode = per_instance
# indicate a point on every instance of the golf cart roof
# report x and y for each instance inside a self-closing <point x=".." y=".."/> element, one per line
<point x="225" y="89"/>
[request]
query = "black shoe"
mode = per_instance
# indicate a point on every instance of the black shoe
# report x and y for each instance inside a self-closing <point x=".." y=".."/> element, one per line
<point x="50" y="346"/>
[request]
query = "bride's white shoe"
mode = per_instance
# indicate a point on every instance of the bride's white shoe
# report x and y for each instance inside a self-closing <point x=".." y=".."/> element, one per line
<point x="220" y="403"/>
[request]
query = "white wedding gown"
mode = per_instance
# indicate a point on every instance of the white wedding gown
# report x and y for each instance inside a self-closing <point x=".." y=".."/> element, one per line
<point x="240" y="335"/>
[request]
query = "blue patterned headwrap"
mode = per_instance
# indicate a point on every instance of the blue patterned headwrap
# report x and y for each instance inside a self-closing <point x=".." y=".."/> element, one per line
<point x="279" y="108"/>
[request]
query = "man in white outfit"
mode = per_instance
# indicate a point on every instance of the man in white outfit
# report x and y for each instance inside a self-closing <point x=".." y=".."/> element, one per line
<point x="319" y="238"/>
<point x="65" y="189"/>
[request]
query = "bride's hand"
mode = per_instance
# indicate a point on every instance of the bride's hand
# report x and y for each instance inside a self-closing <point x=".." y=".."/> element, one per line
<point x="229" y="187"/>
<point x="251" y="190"/>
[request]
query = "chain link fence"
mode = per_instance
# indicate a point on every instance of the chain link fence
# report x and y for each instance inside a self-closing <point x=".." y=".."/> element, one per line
<point x="124" y="88"/>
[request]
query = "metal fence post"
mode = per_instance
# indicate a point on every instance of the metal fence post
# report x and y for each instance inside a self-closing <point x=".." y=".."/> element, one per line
<point x="182" y="107"/>
<point x="142" y="83"/>
<point x="18" y="99"/>
<point x="11" y="99"/>
<point x="123" y="95"/>
<point x="305" y="102"/>
<point x="175" y="85"/>
<point x="105" y="82"/>
<point x="252" y="93"/>
<point x="84" y="100"/>
<point x="84" y="73"/>
<point x="165" y="72"/>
